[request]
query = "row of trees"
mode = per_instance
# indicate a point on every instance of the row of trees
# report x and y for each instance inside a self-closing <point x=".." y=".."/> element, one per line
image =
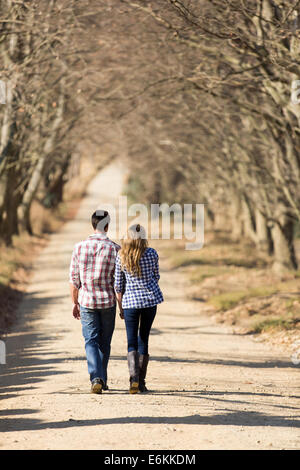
<point x="195" y="94"/>
<point x="47" y="119"/>
<point x="38" y="71"/>
<point x="207" y="110"/>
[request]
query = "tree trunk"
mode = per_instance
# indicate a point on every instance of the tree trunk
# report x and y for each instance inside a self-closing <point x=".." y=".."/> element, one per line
<point x="248" y="220"/>
<point x="8" y="158"/>
<point x="264" y="241"/>
<point x="236" y="219"/>
<point x="24" y="209"/>
<point x="8" y="222"/>
<point x="209" y="216"/>
<point x="284" y="251"/>
<point x="55" y="191"/>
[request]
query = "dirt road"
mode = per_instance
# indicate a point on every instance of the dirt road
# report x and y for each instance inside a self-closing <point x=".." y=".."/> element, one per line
<point x="210" y="389"/>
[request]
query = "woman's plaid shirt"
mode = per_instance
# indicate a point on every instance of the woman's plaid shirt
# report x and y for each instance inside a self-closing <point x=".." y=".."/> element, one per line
<point x="92" y="271"/>
<point x="140" y="292"/>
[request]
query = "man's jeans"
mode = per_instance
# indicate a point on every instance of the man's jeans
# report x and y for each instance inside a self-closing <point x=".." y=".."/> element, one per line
<point x="97" y="328"/>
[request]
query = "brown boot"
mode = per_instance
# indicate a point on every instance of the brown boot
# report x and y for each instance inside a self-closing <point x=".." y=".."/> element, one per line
<point x="143" y="363"/>
<point x="133" y="366"/>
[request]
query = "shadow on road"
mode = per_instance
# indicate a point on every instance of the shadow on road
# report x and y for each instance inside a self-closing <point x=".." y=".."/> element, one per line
<point x="231" y="418"/>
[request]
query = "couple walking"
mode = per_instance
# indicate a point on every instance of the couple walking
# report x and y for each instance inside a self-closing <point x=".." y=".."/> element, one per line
<point x="102" y="274"/>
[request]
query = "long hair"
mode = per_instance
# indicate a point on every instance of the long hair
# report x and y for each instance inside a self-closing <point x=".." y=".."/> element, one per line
<point x="133" y="247"/>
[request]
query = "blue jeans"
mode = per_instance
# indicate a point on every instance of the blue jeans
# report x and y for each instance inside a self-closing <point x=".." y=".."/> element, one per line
<point x="97" y="328"/>
<point x="138" y="323"/>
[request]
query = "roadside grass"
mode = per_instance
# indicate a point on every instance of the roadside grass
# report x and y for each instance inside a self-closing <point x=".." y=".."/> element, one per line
<point x="24" y="247"/>
<point x="228" y="300"/>
<point x="216" y="253"/>
<point x="288" y="318"/>
<point x="16" y="260"/>
<point x="15" y="267"/>
<point x="13" y="257"/>
<point x="197" y="275"/>
<point x="277" y="323"/>
<point x="238" y="284"/>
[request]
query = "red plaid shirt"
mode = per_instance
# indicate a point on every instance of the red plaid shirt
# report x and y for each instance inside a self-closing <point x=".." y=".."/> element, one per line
<point x="92" y="271"/>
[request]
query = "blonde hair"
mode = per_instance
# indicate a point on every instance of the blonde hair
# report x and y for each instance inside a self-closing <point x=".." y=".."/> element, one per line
<point x="133" y="248"/>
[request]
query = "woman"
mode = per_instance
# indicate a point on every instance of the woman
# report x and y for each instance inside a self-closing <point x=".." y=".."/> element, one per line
<point x="138" y="293"/>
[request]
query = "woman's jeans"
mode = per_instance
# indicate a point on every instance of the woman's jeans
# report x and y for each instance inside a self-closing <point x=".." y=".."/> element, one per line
<point x="138" y="323"/>
<point x="97" y="328"/>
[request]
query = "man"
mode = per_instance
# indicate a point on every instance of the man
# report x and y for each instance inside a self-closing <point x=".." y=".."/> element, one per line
<point x="92" y="291"/>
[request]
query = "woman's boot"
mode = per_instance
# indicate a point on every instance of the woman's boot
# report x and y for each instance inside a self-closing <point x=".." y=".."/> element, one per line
<point x="133" y="366"/>
<point x="143" y="362"/>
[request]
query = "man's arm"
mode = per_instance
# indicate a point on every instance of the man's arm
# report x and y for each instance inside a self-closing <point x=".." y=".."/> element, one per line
<point x="75" y="285"/>
<point x="74" y="296"/>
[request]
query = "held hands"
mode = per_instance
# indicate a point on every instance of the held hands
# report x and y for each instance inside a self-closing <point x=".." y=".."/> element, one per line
<point x="119" y="296"/>
<point x="76" y="311"/>
<point x="121" y="313"/>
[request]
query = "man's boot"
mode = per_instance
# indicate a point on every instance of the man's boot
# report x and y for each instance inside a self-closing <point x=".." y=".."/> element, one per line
<point x="143" y="362"/>
<point x="133" y="366"/>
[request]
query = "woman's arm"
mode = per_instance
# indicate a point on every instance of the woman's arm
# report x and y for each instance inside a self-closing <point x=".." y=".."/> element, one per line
<point x="156" y="267"/>
<point x="119" y="296"/>
<point x="119" y="284"/>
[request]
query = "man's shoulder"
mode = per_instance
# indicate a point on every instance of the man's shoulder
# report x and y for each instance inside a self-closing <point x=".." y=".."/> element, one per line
<point x="78" y="245"/>
<point x="81" y="245"/>
<point x="88" y="241"/>
<point x="113" y="244"/>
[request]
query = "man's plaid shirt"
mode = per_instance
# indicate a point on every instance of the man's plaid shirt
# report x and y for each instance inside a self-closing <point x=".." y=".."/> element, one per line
<point x="92" y="271"/>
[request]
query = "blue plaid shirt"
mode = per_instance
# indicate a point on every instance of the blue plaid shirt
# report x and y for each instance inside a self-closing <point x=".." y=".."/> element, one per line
<point x="139" y="292"/>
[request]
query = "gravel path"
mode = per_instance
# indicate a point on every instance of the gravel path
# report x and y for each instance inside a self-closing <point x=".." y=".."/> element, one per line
<point x="210" y="389"/>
